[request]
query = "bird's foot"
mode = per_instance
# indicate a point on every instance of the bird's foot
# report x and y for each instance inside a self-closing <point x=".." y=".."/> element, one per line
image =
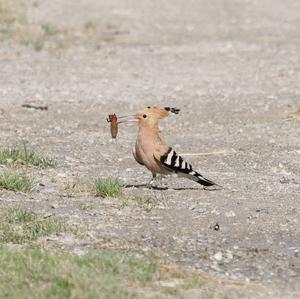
<point x="157" y="183"/>
<point x="151" y="183"/>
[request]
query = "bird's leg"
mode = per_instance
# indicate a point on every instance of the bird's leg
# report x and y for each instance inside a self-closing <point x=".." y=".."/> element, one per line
<point x="157" y="182"/>
<point x="152" y="181"/>
<point x="160" y="181"/>
<point x="162" y="184"/>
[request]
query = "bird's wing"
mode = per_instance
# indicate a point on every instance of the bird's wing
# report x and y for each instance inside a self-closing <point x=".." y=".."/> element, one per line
<point x="137" y="159"/>
<point x="172" y="161"/>
<point x="175" y="163"/>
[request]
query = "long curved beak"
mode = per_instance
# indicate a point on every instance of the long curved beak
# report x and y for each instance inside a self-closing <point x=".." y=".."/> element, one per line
<point x="127" y="118"/>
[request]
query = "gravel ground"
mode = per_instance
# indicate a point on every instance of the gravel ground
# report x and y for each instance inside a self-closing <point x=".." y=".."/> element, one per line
<point x="233" y="67"/>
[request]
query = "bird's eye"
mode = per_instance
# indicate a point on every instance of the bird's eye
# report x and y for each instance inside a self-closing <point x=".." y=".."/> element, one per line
<point x="144" y="115"/>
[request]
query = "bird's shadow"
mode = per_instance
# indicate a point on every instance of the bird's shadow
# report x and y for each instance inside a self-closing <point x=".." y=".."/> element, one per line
<point x="145" y="186"/>
<point x="167" y="188"/>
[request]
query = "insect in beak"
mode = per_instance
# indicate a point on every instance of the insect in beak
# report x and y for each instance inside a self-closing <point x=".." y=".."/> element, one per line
<point x="113" y="120"/>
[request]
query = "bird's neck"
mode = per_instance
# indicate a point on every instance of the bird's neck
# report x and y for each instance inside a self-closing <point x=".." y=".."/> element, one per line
<point x="150" y="133"/>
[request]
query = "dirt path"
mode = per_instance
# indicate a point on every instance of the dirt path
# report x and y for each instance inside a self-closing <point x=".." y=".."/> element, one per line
<point x="234" y="70"/>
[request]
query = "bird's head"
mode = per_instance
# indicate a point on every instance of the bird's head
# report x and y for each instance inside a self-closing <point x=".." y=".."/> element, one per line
<point x="149" y="116"/>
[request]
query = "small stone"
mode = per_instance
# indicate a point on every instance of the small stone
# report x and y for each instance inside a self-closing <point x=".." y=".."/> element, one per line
<point x="170" y="283"/>
<point x="215" y="212"/>
<point x="217" y="227"/>
<point x="51" y="238"/>
<point x="230" y="214"/>
<point x="62" y="175"/>
<point x="48" y="215"/>
<point x="218" y="256"/>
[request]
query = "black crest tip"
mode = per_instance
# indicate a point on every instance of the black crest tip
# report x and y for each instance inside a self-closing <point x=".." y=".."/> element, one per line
<point x="173" y="110"/>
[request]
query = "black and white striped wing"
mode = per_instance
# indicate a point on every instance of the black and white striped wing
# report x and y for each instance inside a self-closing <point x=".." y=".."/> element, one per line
<point x="172" y="161"/>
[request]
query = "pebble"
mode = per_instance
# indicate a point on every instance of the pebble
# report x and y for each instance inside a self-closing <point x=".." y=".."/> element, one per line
<point x="217" y="227"/>
<point x="62" y="175"/>
<point x="230" y="214"/>
<point x="170" y="283"/>
<point x="218" y="256"/>
<point x="48" y="215"/>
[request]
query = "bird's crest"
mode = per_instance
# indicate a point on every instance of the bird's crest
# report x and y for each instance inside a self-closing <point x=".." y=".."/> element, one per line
<point x="161" y="112"/>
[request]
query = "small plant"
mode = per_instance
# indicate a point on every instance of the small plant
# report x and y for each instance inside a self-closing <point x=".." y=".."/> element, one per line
<point x="108" y="187"/>
<point x="49" y="29"/>
<point x="22" y="156"/>
<point x="17" y="215"/>
<point x="38" y="44"/>
<point x="16" y="182"/>
<point x="19" y="226"/>
<point x="90" y="26"/>
<point x="145" y="202"/>
<point x="84" y="207"/>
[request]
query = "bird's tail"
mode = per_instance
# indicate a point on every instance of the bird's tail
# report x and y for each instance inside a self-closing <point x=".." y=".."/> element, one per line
<point x="197" y="177"/>
<point x="173" y="162"/>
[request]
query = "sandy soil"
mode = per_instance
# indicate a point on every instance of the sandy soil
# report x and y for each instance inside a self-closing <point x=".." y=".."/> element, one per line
<point x="233" y="67"/>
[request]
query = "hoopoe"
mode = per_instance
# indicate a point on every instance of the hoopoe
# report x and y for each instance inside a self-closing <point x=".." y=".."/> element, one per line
<point x="153" y="153"/>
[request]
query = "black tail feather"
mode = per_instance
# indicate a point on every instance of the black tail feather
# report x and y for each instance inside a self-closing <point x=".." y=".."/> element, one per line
<point x="205" y="182"/>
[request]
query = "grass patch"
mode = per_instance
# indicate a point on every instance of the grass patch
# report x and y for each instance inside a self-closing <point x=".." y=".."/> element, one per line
<point x="21" y="226"/>
<point x="49" y="29"/>
<point x="16" y="182"/>
<point x="7" y="17"/>
<point x="21" y="156"/>
<point x="108" y="187"/>
<point x="84" y="207"/>
<point x="16" y="27"/>
<point x="12" y="15"/>
<point x="39" y="274"/>
<point x="90" y="26"/>
<point x="146" y="203"/>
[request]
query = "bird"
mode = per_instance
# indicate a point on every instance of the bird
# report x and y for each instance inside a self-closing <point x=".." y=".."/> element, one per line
<point x="155" y="154"/>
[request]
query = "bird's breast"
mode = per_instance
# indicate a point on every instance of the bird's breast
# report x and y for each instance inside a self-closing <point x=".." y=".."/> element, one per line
<point x="145" y="150"/>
